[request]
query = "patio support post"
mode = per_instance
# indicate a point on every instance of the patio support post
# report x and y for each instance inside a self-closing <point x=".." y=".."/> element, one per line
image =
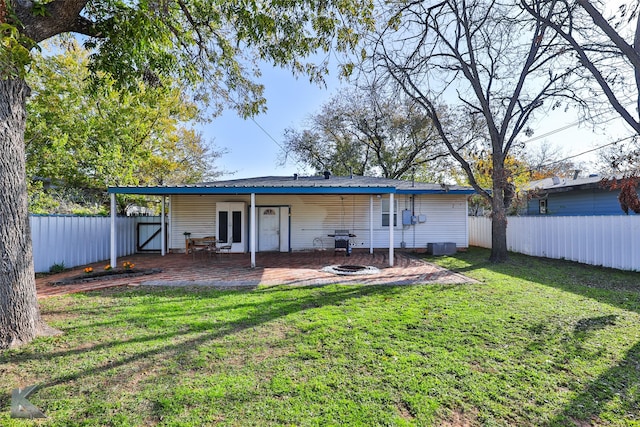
<point x="114" y="261"/>
<point x="162" y="230"/>
<point x="466" y="224"/>
<point x="371" y="224"/>
<point x="392" y="220"/>
<point x="252" y="230"/>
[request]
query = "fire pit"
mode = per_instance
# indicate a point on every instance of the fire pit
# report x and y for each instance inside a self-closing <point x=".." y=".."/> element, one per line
<point x="351" y="270"/>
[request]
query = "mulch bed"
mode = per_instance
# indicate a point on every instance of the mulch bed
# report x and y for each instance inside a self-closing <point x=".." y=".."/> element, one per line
<point x="103" y="275"/>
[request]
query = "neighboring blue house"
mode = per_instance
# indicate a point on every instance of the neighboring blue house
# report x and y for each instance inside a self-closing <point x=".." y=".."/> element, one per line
<point x="572" y="196"/>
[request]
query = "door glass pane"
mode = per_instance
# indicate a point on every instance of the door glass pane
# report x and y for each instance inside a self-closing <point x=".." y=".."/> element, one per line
<point x="236" y="222"/>
<point x="223" y="223"/>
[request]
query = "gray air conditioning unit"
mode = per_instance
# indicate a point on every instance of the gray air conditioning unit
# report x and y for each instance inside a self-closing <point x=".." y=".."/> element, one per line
<point x="442" y="248"/>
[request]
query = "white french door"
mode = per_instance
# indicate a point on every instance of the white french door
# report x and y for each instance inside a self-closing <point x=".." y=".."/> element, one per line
<point x="231" y="225"/>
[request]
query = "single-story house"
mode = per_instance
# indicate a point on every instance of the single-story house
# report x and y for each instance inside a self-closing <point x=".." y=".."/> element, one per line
<point x="572" y="196"/>
<point x="294" y="213"/>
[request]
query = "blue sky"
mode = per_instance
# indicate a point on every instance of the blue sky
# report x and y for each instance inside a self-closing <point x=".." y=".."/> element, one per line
<point x="252" y="152"/>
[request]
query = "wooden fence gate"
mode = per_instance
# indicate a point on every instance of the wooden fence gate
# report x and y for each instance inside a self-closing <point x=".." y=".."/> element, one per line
<point x="148" y="238"/>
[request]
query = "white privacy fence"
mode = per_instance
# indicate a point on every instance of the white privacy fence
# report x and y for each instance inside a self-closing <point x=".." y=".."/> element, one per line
<point x="609" y="241"/>
<point x="80" y="240"/>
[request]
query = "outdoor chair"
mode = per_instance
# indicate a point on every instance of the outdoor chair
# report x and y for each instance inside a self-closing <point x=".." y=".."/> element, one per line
<point x="202" y="244"/>
<point x="224" y="249"/>
<point x="318" y="247"/>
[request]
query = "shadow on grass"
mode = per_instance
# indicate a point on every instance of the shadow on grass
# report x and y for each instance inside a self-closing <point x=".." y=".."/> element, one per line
<point x="184" y="338"/>
<point x="608" y="286"/>
<point x="619" y="383"/>
<point x="582" y="279"/>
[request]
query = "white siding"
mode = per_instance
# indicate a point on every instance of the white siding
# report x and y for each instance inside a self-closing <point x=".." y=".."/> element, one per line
<point x="192" y="214"/>
<point x="317" y="216"/>
<point x="446" y="222"/>
<point x="313" y="216"/>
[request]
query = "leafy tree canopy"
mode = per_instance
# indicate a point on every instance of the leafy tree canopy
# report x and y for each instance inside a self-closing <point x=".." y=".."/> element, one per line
<point x="80" y="141"/>
<point x="213" y="46"/>
<point x="367" y="132"/>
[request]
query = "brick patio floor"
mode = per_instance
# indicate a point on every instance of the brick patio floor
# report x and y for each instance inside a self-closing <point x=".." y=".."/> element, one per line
<point x="233" y="270"/>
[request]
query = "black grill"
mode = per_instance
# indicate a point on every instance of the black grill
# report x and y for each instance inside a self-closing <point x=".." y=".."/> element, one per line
<point x="341" y="239"/>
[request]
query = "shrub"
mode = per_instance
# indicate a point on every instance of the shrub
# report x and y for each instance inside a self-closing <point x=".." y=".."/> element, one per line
<point x="57" y="268"/>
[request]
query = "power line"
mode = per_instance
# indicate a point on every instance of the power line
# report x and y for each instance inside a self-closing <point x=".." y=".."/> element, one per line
<point x="529" y="171"/>
<point x="590" y="151"/>
<point x="266" y="133"/>
<point x="570" y="125"/>
<point x="552" y="132"/>
<point x="298" y="163"/>
<point x="237" y="105"/>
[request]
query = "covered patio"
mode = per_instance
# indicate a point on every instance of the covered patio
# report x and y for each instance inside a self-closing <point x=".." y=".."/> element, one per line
<point x="283" y="214"/>
<point x="233" y="271"/>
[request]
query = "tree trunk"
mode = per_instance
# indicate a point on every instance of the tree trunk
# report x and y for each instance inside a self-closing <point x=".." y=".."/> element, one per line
<point x="19" y="313"/>
<point x="498" y="215"/>
<point x="498" y="234"/>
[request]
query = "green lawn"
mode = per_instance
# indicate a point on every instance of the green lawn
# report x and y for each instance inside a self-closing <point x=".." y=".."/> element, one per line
<point x="535" y="342"/>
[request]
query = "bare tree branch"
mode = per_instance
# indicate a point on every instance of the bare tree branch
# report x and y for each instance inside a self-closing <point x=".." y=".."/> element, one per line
<point x="499" y="64"/>
<point x="564" y="26"/>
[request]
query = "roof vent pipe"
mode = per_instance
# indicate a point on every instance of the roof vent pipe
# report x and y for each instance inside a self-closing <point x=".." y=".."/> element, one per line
<point x="327" y="174"/>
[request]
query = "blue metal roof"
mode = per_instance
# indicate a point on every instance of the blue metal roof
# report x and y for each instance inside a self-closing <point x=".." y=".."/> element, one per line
<point x="173" y="190"/>
<point x="299" y="185"/>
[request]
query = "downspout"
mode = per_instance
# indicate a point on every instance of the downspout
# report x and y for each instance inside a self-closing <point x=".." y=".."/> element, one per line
<point x="252" y="230"/>
<point x="114" y="261"/>
<point x="466" y="228"/>
<point x="392" y="217"/>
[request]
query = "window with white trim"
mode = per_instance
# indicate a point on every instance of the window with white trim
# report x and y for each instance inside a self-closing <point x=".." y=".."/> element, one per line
<point x="542" y="206"/>
<point x="386" y="214"/>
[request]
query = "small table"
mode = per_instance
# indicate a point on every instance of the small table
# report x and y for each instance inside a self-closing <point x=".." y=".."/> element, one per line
<point x="200" y="243"/>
